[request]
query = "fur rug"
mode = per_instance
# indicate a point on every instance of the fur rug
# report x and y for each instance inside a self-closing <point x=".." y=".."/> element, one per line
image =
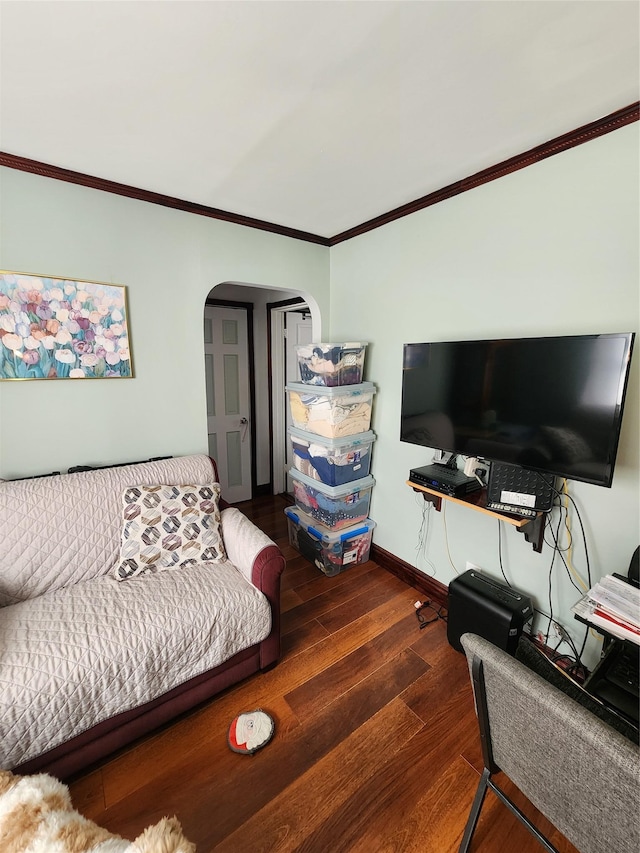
<point x="36" y="816"/>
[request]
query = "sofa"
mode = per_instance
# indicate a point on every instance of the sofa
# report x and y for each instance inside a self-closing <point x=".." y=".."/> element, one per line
<point x="111" y="624"/>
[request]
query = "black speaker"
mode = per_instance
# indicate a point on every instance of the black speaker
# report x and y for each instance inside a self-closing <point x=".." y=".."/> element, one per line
<point x="483" y="606"/>
<point x="519" y="490"/>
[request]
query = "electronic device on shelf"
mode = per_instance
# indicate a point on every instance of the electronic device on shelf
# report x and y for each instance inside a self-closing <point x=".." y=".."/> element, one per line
<point x="441" y="478"/>
<point x="552" y="405"/>
<point x="615" y="680"/>
<point x="518" y="491"/>
<point x="512" y="509"/>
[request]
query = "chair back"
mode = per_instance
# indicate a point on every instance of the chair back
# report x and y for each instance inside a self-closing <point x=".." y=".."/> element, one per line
<point x="581" y="774"/>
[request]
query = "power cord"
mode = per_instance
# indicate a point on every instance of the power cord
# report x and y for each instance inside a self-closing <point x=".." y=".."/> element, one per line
<point x="446" y="536"/>
<point x="500" y="523"/>
<point x="574" y="667"/>
<point x="423" y="535"/>
<point x="438" y="613"/>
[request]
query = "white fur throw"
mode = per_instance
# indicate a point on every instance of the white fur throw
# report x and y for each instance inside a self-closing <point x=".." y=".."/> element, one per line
<point x="36" y="816"/>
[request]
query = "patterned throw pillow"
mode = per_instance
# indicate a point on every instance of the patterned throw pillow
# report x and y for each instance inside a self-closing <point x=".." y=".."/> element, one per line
<point x="169" y="527"/>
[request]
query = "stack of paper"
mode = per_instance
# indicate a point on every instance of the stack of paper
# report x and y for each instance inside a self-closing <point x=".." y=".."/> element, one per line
<point x="613" y="605"/>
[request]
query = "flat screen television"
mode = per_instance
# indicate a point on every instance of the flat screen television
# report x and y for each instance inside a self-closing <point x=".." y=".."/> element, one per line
<point x="550" y="404"/>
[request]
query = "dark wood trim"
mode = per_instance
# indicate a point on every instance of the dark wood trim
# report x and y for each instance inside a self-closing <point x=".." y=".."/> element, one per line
<point x="600" y="127"/>
<point x="228" y="303"/>
<point x="438" y="593"/>
<point x="263" y="491"/>
<point x="614" y="121"/>
<point x="407" y="573"/>
<point x="252" y="397"/>
<point x="46" y="170"/>
<point x="271" y="306"/>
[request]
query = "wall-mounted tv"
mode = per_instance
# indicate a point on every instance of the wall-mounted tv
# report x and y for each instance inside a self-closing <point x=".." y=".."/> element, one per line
<point x="551" y="404"/>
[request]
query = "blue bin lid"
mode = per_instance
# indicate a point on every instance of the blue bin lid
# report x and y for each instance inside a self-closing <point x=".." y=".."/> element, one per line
<point x="327" y="537"/>
<point x="340" y="491"/>
<point x="302" y="349"/>
<point x="364" y="388"/>
<point x="334" y="443"/>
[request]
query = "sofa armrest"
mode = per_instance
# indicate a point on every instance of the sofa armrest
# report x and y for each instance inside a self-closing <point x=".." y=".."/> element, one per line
<point x="261" y="562"/>
<point x="248" y="548"/>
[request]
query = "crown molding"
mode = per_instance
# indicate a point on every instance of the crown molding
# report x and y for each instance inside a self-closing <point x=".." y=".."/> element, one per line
<point x="46" y="170"/>
<point x="600" y="127"/>
<point x="614" y="121"/>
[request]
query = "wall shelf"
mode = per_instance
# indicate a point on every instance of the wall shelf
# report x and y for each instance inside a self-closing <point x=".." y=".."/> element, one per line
<point x="531" y="528"/>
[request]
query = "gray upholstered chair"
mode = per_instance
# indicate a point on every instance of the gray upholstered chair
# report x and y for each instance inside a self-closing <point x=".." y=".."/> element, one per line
<point x="583" y="776"/>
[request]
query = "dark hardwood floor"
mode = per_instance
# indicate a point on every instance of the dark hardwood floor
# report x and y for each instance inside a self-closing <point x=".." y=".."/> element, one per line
<point x="376" y="746"/>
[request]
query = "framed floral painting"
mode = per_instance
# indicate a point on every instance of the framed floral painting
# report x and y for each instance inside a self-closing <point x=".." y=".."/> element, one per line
<point x="56" y="328"/>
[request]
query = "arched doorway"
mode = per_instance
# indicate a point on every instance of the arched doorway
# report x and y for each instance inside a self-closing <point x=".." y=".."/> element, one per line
<point x="251" y="455"/>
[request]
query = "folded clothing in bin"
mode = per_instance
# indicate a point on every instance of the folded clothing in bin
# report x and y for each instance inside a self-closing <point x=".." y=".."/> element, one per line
<point x="333" y="506"/>
<point x="332" y="412"/>
<point x="333" y="461"/>
<point x="331" y="364"/>
<point x="330" y="552"/>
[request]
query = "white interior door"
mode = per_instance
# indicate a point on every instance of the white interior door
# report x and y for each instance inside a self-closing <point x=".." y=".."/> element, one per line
<point x="298" y="331"/>
<point x="226" y="356"/>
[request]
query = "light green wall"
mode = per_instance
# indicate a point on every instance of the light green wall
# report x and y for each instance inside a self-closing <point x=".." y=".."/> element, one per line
<point x="169" y="261"/>
<point x="552" y="249"/>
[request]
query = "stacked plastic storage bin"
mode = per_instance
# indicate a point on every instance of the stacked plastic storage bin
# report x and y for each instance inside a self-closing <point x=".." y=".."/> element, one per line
<point x="331" y="442"/>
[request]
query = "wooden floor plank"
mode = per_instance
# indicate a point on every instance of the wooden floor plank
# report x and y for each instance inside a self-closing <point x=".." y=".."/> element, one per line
<point x="376" y="746"/>
<point x="329" y="594"/>
<point x="357" y="576"/>
<point x="383" y="585"/>
<point x="292" y="817"/>
<point x="395" y="790"/>
<point x="289" y="600"/>
<point x="318" y="735"/>
<point x="302" y="638"/>
<point x="201" y="733"/>
<point x="299" y="572"/>
<point x="338" y="679"/>
<point x="428" y="700"/>
<point x="233" y="787"/>
<point x="434" y="822"/>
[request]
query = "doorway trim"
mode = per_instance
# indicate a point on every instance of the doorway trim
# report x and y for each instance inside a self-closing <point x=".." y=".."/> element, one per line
<point x="276" y="356"/>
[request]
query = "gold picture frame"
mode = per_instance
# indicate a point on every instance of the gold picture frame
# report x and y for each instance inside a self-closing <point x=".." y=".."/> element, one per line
<point x="59" y="328"/>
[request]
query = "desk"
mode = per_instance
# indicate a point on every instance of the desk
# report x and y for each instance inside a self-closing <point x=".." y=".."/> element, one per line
<point x="614" y="680"/>
<point x="531" y="528"/>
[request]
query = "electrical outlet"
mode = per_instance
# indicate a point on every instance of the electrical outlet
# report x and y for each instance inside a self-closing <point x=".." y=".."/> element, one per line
<point x="472" y="567"/>
<point x="561" y="632"/>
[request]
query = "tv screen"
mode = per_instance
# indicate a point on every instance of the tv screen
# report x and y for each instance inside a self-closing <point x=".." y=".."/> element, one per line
<point x="551" y="404"/>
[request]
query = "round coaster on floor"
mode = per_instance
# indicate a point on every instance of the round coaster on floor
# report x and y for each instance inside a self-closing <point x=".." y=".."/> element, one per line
<point x="250" y="731"/>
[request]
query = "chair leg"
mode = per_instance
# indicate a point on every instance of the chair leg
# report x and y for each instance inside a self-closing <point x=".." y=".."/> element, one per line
<point x="474" y="814"/>
<point x="548" y="846"/>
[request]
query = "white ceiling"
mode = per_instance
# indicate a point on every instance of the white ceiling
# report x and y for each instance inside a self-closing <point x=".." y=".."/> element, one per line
<point x="312" y="115"/>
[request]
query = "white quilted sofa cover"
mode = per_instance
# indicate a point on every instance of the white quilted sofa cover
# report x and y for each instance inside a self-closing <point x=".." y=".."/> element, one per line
<point x="78" y="646"/>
